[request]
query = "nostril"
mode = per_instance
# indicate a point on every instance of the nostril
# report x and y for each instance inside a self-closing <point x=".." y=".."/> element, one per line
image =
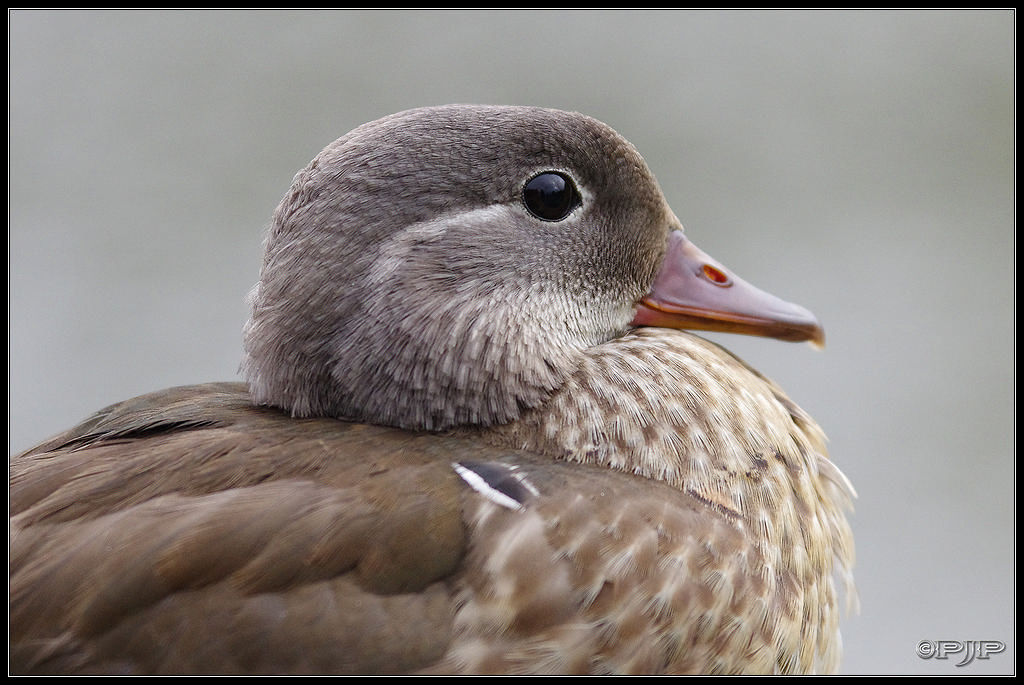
<point x="716" y="276"/>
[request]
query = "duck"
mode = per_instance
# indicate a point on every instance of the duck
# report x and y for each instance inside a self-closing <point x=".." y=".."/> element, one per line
<point x="477" y="434"/>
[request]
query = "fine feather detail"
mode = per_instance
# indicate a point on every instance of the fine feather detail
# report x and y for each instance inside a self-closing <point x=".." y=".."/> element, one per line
<point x="502" y="484"/>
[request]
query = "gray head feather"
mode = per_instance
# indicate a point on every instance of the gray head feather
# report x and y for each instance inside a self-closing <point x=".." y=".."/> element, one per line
<point x="405" y="282"/>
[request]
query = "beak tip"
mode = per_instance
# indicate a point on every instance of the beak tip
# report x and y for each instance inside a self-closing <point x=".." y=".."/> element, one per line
<point x="814" y="334"/>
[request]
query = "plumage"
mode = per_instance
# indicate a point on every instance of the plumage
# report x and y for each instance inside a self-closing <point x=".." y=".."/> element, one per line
<point x="472" y="440"/>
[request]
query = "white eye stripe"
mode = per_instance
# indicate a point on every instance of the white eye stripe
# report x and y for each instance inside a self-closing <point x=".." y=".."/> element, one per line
<point x="395" y="253"/>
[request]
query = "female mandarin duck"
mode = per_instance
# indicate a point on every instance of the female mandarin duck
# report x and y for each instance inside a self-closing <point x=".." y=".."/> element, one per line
<point x="473" y="440"/>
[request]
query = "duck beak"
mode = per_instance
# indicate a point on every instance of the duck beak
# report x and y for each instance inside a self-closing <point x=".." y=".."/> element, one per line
<point x="695" y="292"/>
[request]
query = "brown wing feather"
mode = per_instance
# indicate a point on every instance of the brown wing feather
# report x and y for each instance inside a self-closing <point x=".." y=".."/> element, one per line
<point x="190" y="532"/>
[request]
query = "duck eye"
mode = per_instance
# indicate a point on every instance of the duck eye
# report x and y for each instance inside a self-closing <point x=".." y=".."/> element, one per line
<point x="550" y="196"/>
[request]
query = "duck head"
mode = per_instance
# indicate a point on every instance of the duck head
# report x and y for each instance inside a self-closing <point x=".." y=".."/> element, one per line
<point x="447" y="266"/>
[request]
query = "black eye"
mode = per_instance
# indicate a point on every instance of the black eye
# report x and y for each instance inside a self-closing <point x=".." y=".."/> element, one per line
<point x="550" y="196"/>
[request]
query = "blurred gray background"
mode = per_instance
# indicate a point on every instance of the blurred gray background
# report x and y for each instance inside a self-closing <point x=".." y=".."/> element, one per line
<point x="859" y="163"/>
